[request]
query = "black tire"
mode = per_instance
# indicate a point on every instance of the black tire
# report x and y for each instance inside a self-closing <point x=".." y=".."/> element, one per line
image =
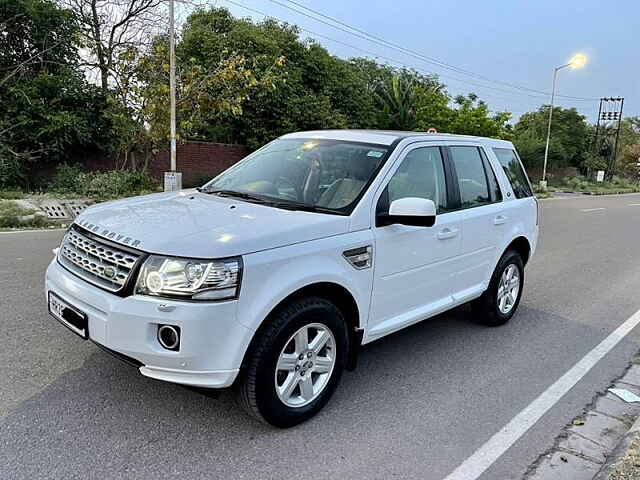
<point x="255" y="389"/>
<point x="485" y="309"/>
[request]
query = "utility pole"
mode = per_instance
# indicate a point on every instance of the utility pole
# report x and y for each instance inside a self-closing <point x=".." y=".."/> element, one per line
<point x="614" y="154"/>
<point x="172" y="179"/>
<point x="608" y="131"/>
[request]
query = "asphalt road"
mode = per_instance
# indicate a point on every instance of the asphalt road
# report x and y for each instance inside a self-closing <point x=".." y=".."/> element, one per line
<point x="421" y="402"/>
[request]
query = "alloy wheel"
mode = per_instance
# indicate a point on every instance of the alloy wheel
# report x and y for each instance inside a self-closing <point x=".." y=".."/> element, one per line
<point x="508" y="289"/>
<point x="305" y="365"/>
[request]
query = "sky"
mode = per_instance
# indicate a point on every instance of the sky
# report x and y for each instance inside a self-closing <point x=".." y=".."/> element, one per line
<point x="517" y="42"/>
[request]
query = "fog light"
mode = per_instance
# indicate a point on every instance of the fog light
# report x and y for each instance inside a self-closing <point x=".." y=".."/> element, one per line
<point x="169" y="337"/>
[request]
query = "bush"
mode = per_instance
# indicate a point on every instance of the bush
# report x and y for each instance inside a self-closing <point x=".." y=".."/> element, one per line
<point x="68" y="179"/>
<point x="11" y="195"/>
<point x="12" y="216"/>
<point x="615" y="185"/>
<point x="12" y="209"/>
<point x="71" y="179"/>
<point x="117" y="183"/>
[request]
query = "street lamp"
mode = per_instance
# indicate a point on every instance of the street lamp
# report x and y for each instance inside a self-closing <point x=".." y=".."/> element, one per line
<point x="577" y="61"/>
<point x="172" y="178"/>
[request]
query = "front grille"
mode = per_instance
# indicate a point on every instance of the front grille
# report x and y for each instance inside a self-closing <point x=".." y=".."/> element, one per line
<point x="100" y="263"/>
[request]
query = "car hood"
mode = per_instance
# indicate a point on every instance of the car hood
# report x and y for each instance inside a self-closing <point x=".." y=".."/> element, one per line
<point x="194" y="224"/>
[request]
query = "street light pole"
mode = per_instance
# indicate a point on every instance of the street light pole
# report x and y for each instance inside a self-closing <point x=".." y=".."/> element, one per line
<point x="577" y="61"/>
<point x="543" y="182"/>
<point x="172" y="179"/>
<point x="172" y="82"/>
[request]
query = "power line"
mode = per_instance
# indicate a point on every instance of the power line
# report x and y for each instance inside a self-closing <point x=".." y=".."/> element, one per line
<point x="381" y="41"/>
<point x="395" y="61"/>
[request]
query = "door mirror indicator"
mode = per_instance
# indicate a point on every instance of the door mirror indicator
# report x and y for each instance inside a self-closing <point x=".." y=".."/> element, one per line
<point x="414" y="211"/>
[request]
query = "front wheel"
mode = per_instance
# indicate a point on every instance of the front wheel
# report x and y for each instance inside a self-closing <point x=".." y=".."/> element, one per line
<point x="295" y="363"/>
<point x="500" y="301"/>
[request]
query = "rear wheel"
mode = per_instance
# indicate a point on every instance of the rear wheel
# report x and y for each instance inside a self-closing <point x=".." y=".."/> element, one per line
<point x="295" y="364"/>
<point x="500" y="301"/>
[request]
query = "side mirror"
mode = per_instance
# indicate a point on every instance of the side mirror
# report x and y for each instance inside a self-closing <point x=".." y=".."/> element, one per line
<point x="418" y="212"/>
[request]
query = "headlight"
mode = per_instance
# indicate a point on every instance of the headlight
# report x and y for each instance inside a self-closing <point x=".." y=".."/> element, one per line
<point x="190" y="278"/>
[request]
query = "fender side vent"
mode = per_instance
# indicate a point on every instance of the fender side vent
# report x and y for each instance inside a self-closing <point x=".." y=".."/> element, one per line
<point x="360" y="258"/>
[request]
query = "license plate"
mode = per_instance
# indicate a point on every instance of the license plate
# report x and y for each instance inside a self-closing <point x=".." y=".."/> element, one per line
<point x="72" y="318"/>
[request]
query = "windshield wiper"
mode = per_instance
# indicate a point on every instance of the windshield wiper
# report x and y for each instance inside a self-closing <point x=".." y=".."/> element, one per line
<point x="234" y="193"/>
<point x="286" y="204"/>
<point x="291" y="205"/>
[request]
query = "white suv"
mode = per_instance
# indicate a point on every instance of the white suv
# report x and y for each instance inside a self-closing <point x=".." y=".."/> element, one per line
<point x="271" y="276"/>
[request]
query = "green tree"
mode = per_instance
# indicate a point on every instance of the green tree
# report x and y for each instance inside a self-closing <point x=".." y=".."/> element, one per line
<point x="311" y="88"/>
<point x="396" y="99"/>
<point x="471" y="116"/>
<point x="48" y="111"/>
<point x="464" y="116"/>
<point x="208" y="95"/>
<point x="570" y="136"/>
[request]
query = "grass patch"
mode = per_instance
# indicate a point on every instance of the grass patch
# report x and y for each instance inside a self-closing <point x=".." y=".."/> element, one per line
<point x="11" y="195"/>
<point x="72" y="180"/>
<point x="542" y="195"/>
<point x="616" y="185"/>
<point x="12" y="209"/>
<point x="628" y="468"/>
<point x="11" y="216"/>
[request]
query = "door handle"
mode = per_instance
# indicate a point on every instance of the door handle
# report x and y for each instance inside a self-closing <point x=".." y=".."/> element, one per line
<point x="447" y="233"/>
<point x="499" y="220"/>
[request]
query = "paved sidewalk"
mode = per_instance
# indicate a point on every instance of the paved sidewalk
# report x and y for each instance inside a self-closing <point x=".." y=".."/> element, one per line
<point x="599" y="441"/>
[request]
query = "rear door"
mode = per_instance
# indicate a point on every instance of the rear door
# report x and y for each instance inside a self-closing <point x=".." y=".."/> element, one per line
<point x="485" y="221"/>
<point x="522" y="206"/>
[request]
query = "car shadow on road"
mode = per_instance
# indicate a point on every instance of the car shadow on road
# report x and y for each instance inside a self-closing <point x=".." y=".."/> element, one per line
<point x="108" y="419"/>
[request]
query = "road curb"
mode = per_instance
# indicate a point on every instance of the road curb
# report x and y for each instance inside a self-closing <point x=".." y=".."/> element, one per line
<point x="31" y="230"/>
<point x="585" y="195"/>
<point x="594" y="442"/>
<point x="619" y="452"/>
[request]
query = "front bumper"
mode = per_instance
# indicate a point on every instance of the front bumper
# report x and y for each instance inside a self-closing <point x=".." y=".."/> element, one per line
<point x="212" y="342"/>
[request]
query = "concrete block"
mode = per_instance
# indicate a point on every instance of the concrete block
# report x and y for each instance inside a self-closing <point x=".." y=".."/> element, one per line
<point x="632" y="376"/>
<point x="564" y="465"/>
<point x="614" y="406"/>
<point x="584" y="447"/>
<point x="74" y="207"/>
<point x="54" y="210"/>
<point x="602" y="429"/>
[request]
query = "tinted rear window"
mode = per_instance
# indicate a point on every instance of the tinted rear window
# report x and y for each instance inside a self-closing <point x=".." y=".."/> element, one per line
<point x="514" y="171"/>
<point x="472" y="179"/>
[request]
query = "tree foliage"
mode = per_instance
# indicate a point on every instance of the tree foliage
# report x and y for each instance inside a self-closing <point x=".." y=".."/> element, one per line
<point x="628" y="160"/>
<point x="110" y="28"/>
<point x="48" y="111"/>
<point x="238" y="81"/>
<point x="570" y="137"/>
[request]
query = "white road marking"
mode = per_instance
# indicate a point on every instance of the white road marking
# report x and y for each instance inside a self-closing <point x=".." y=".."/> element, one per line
<point x="634" y="204"/>
<point x="487" y="454"/>
<point x="592" y="209"/>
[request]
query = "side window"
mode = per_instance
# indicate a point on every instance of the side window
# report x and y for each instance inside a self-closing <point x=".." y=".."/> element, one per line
<point x="472" y="178"/>
<point x="494" y="187"/>
<point x="514" y="171"/>
<point x="421" y="174"/>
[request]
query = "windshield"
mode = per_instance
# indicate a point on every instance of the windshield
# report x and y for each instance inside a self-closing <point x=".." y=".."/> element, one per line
<point x="329" y="175"/>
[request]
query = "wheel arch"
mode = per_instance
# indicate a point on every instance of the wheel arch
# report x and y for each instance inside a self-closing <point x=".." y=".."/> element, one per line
<point x="521" y="245"/>
<point x="337" y="294"/>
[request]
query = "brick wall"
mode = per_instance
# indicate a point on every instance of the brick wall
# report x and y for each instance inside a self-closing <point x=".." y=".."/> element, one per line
<point x="535" y="174"/>
<point x="196" y="160"/>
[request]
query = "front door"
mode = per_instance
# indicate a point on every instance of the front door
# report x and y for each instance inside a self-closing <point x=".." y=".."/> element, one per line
<point x="414" y="266"/>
